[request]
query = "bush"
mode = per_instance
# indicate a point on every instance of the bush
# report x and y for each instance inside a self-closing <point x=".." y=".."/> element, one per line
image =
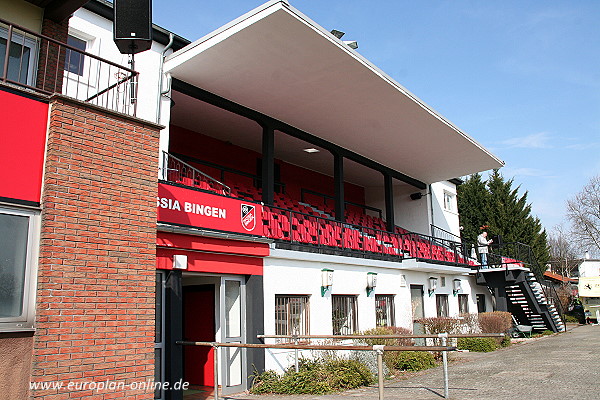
<point x="482" y="345"/>
<point x="495" y="322"/>
<point x="571" y="318"/>
<point x="505" y="342"/>
<point x="318" y="376"/>
<point x="547" y="332"/>
<point x="435" y="325"/>
<point x="389" y="357"/>
<point x="414" y="360"/>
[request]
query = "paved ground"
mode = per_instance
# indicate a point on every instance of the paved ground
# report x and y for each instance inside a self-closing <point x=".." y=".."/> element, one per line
<point x="564" y="366"/>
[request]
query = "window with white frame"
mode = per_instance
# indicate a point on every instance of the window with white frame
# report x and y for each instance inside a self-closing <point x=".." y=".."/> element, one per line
<point x="22" y="57"/>
<point x="449" y="201"/>
<point x="18" y="265"/>
<point x="344" y="314"/>
<point x="291" y="315"/>
<point x="384" y="310"/>
<point x="74" y="60"/>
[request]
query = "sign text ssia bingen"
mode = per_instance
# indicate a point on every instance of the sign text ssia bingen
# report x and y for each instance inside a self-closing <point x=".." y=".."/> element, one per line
<point x="193" y="208"/>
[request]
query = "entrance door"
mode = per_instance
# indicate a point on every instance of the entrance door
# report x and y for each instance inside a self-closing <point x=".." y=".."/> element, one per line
<point x="233" y="323"/>
<point x="199" y="326"/>
<point x="416" y="301"/>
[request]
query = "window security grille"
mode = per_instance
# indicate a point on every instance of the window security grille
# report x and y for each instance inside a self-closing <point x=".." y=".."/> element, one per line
<point x="441" y="302"/>
<point x="384" y="310"/>
<point x="463" y="303"/>
<point x="344" y="314"/>
<point x="291" y="315"/>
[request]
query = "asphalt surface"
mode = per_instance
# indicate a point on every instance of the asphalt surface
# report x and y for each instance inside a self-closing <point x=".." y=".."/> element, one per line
<point x="561" y="366"/>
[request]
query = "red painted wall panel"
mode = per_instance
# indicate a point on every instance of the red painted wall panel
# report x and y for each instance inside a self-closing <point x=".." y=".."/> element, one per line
<point x="211" y="262"/>
<point x="200" y="243"/>
<point x="23" y="123"/>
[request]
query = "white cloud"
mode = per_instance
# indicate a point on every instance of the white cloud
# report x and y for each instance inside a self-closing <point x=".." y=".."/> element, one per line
<point x="534" y="141"/>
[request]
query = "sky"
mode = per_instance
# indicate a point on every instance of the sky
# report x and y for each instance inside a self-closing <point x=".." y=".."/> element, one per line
<point x="521" y="77"/>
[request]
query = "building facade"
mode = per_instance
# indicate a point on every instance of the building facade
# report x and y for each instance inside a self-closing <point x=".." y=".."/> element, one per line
<point x="230" y="187"/>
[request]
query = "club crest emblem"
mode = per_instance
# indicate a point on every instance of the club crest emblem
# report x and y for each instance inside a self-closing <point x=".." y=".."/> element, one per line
<point x="248" y="217"/>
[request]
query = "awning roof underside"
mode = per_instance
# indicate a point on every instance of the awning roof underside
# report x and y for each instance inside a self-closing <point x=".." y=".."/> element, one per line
<point x="277" y="61"/>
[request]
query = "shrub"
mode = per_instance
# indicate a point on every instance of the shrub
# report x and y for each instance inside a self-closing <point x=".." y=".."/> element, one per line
<point x="571" y="318"/>
<point x="389" y="357"/>
<point x="414" y="360"/>
<point x="435" y="325"/>
<point x="547" y="332"/>
<point x="482" y="345"/>
<point x="318" y="376"/>
<point x="470" y="323"/>
<point x="505" y="342"/>
<point x="495" y="322"/>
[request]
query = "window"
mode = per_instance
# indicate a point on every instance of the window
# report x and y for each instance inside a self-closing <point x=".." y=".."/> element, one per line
<point x="343" y="314"/>
<point x="74" y="60"/>
<point x="291" y="315"/>
<point x="463" y="303"/>
<point x="443" y="281"/>
<point x="480" y="303"/>
<point x="21" y="58"/>
<point x="18" y="255"/>
<point x="441" y="303"/>
<point x="449" y="201"/>
<point x="384" y="310"/>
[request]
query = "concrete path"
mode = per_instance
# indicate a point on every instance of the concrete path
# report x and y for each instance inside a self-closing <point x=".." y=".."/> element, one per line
<point x="563" y="366"/>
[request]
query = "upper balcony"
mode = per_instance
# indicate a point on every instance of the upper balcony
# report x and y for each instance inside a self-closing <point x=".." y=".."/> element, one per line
<point x="41" y="64"/>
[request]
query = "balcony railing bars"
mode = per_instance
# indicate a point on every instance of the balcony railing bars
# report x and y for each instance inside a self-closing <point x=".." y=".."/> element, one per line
<point x="441" y="233"/>
<point x="46" y="65"/>
<point x="178" y="171"/>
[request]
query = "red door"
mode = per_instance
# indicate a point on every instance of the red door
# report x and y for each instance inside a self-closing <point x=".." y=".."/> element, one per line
<point x="199" y="325"/>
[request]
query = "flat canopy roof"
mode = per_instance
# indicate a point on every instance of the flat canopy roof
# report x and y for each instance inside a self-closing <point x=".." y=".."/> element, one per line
<point x="277" y="61"/>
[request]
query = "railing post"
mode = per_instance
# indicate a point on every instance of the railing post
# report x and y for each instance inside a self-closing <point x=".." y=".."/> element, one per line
<point x="216" y="372"/>
<point x="379" y="350"/>
<point x="444" y="338"/>
<point x="296" y="354"/>
<point x="7" y="54"/>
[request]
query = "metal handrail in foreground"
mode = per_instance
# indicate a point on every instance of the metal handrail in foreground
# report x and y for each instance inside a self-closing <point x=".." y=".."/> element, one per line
<point x="378" y="349"/>
<point x="458" y="335"/>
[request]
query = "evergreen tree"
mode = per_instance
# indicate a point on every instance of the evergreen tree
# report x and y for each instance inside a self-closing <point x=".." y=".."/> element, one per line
<point x="496" y="205"/>
<point x="473" y="205"/>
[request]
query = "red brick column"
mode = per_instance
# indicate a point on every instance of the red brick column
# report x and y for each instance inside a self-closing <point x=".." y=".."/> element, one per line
<point x="52" y="56"/>
<point x="95" y="305"/>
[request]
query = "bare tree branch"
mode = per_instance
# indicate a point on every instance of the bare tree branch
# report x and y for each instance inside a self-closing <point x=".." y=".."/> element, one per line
<point x="584" y="213"/>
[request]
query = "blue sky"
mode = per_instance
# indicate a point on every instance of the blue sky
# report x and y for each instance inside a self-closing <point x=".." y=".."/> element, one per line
<point x="521" y="77"/>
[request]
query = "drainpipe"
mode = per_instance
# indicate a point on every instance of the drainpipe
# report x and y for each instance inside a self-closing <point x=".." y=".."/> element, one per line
<point x="162" y="92"/>
<point x="431" y="210"/>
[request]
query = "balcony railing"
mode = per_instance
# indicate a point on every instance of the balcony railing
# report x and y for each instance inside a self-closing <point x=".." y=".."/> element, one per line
<point x="45" y="65"/>
<point x="178" y="171"/>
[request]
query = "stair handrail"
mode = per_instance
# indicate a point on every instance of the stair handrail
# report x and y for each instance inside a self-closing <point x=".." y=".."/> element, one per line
<point x="167" y="157"/>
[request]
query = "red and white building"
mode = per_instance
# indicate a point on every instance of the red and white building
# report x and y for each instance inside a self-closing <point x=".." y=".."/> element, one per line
<point x="266" y="179"/>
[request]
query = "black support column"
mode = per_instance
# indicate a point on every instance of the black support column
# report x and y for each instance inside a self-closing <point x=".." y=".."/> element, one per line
<point x="268" y="165"/>
<point x="389" y="202"/>
<point x="338" y="190"/>
<point x="174" y="332"/>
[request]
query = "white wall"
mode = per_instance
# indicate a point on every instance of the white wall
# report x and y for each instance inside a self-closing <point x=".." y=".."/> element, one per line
<point x="589" y="268"/>
<point x="299" y="273"/>
<point x="443" y="217"/>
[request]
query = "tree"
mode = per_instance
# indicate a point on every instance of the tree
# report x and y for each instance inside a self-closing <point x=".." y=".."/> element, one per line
<point x="583" y="211"/>
<point x="473" y="204"/>
<point x="563" y="254"/>
<point x="496" y="205"/>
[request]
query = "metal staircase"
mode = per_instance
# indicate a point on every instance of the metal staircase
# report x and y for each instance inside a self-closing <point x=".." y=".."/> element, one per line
<point x="517" y="291"/>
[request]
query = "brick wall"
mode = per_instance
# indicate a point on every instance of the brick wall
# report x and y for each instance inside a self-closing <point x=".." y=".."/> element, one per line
<point x="52" y="56"/>
<point x="95" y="306"/>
